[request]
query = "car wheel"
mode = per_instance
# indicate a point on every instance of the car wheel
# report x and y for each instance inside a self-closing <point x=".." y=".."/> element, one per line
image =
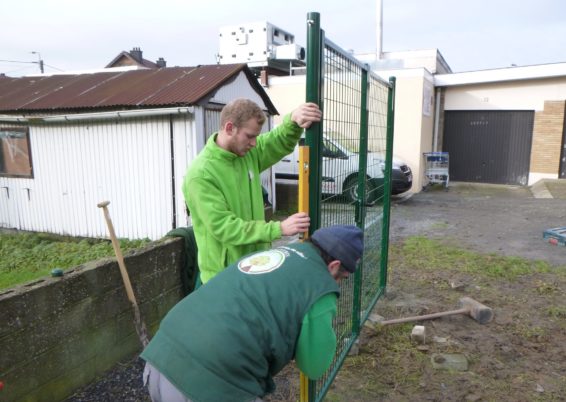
<point x="350" y="190"/>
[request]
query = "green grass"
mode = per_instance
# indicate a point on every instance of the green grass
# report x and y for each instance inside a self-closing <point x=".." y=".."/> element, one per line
<point x="425" y="254"/>
<point x="28" y="256"/>
<point x="556" y="312"/>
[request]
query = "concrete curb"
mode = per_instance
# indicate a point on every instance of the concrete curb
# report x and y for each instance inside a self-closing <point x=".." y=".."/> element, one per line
<point x="540" y="190"/>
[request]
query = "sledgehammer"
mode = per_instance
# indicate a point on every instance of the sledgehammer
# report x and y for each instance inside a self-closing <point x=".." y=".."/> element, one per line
<point x="469" y="306"/>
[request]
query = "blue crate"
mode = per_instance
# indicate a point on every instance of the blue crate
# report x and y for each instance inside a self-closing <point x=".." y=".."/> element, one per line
<point x="436" y="156"/>
<point x="555" y="236"/>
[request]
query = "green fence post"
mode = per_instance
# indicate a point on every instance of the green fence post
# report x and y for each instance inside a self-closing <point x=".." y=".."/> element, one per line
<point x="361" y="204"/>
<point x="315" y="48"/>
<point x="313" y="135"/>
<point x="387" y="183"/>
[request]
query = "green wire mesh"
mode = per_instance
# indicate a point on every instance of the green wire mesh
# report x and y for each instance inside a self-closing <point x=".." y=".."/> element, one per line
<point x="354" y="161"/>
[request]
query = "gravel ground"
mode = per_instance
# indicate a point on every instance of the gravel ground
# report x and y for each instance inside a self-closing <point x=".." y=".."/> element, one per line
<point x="121" y="384"/>
<point x="506" y="220"/>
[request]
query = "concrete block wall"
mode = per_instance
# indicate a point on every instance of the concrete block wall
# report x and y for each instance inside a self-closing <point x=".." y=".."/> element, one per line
<point x="547" y="138"/>
<point x="59" y="334"/>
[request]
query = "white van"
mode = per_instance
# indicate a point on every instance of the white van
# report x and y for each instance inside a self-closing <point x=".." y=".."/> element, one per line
<point x="340" y="171"/>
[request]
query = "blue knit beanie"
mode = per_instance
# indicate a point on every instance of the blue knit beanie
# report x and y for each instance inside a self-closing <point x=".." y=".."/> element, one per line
<point x="342" y="242"/>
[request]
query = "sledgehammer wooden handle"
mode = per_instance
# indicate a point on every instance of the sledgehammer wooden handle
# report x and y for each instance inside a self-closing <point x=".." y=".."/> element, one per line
<point x="479" y="312"/>
<point x="425" y="317"/>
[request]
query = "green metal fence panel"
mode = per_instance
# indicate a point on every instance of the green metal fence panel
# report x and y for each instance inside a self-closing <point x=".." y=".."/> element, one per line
<point x="349" y="181"/>
<point x="376" y="223"/>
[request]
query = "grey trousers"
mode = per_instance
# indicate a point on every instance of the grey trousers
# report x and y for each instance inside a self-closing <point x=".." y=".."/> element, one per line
<point x="160" y="388"/>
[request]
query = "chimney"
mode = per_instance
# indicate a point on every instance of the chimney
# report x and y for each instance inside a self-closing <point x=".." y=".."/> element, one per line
<point x="161" y="62"/>
<point x="136" y="53"/>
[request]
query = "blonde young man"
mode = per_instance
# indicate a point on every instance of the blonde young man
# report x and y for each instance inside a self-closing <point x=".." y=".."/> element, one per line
<point x="222" y="187"/>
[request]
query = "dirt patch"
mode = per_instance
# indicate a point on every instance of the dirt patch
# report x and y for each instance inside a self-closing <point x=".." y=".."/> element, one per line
<point x="519" y="356"/>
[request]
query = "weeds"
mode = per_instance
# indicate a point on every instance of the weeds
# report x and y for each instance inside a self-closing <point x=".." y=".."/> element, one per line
<point x="422" y="253"/>
<point x="556" y="312"/>
<point x="544" y="288"/>
<point x="391" y="367"/>
<point x="533" y="333"/>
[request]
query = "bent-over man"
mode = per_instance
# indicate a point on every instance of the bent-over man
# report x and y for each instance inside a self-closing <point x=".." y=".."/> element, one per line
<point x="226" y="340"/>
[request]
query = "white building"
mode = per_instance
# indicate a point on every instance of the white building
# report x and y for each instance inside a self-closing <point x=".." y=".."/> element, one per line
<point x="68" y="142"/>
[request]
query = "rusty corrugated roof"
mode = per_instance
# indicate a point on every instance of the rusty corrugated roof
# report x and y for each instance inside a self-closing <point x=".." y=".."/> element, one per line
<point x="136" y="89"/>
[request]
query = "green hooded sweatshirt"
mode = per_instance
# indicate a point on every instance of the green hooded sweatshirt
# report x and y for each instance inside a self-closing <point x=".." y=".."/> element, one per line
<point x="223" y="193"/>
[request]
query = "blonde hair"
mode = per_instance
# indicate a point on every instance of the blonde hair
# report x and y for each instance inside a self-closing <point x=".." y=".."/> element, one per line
<point x="239" y="111"/>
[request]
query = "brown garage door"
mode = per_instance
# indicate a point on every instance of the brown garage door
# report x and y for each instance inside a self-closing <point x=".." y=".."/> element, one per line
<point x="489" y="146"/>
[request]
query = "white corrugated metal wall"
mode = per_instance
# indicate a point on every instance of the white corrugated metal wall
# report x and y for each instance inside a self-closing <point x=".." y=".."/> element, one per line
<point x="186" y="148"/>
<point x="127" y="162"/>
<point x="239" y="87"/>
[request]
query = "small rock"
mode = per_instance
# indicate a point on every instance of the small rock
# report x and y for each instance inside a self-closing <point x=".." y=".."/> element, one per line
<point x="374" y="322"/>
<point x="503" y="318"/>
<point x="438" y="339"/>
<point x="447" y="361"/>
<point x="370" y="325"/>
<point x="506" y="349"/>
<point x="539" y="388"/>
<point x="390" y="294"/>
<point x="355" y="349"/>
<point x="375" y="318"/>
<point x="457" y="285"/>
<point x="418" y="334"/>
<point x="423" y="348"/>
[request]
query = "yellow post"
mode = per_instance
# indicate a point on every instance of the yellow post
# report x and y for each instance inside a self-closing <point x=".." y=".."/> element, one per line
<point x="304" y="207"/>
<point x="304" y="384"/>
<point x="304" y="182"/>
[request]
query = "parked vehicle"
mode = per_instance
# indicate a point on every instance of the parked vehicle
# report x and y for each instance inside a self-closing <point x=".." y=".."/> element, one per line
<point x="340" y="172"/>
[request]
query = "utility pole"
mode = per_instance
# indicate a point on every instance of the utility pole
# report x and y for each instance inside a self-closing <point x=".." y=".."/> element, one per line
<point x="379" y="30"/>
<point x="40" y="62"/>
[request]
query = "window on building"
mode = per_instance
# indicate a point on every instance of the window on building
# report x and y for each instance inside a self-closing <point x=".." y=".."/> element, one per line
<point x="15" y="153"/>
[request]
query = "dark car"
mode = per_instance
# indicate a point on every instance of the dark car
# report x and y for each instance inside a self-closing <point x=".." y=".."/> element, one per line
<point x="401" y="178"/>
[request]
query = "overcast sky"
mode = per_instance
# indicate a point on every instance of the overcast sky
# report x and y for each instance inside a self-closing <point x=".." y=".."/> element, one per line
<point x="86" y="34"/>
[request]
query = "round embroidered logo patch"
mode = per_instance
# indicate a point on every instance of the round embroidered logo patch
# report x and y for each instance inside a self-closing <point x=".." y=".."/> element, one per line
<point x="262" y="263"/>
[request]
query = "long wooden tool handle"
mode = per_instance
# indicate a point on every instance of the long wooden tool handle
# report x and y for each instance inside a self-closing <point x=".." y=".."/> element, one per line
<point x="118" y="252"/>
<point x="139" y="324"/>
<point x="426" y="316"/>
